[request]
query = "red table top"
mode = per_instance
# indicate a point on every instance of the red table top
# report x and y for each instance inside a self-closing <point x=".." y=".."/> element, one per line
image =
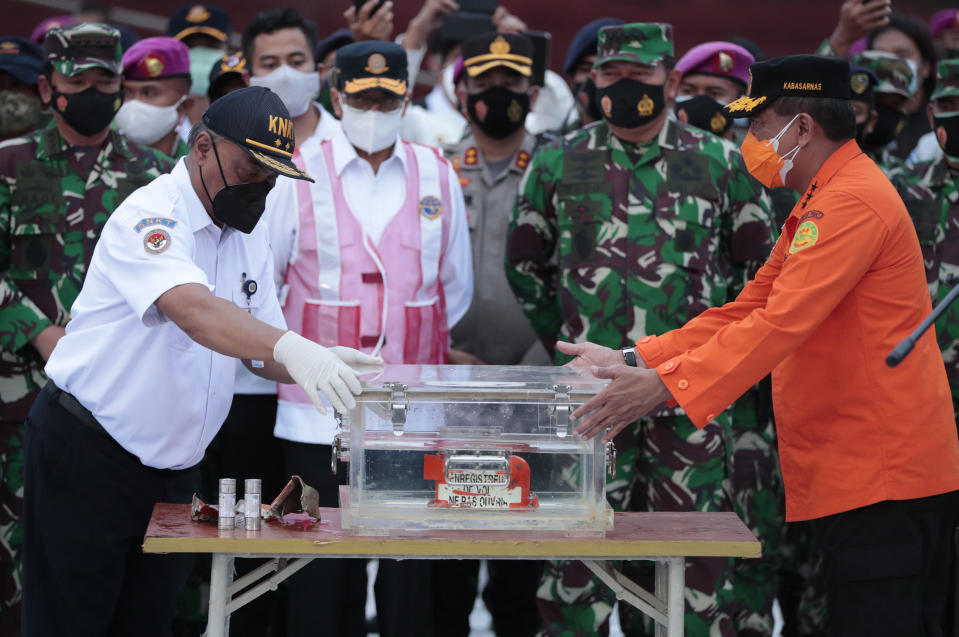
<point x="634" y="535"/>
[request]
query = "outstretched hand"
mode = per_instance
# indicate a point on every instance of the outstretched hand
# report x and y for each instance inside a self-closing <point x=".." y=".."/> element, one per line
<point x="593" y="355"/>
<point x="633" y="393"/>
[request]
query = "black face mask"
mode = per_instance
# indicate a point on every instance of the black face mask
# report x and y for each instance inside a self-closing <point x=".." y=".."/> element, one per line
<point x="239" y="206"/>
<point x="588" y="88"/>
<point x="888" y="126"/>
<point x="947" y="134"/>
<point x="631" y="103"/>
<point x="498" y="111"/>
<point x="703" y="112"/>
<point x="89" y="111"/>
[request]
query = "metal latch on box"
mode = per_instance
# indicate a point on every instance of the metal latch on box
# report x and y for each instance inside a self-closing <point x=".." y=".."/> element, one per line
<point x="560" y="410"/>
<point x="340" y="450"/>
<point x="399" y="405"/>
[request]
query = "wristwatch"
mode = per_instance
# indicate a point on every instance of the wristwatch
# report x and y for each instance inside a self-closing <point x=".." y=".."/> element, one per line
<point x="629" y="356"/>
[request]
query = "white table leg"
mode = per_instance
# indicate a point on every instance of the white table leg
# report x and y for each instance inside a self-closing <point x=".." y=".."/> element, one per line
<point x="675" y="600"/>
<point x="218" y="621"/>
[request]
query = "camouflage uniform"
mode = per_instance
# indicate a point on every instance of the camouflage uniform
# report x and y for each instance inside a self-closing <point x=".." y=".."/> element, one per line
<point x="646" y="237"/>
<point x="894" y="77"/>
<point x="180" y="149"/>
<point x="54" y="200"/>
<point x="930" y="191"/>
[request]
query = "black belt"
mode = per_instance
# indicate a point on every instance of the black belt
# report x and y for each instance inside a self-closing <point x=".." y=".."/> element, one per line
<point x="73" y="407"/>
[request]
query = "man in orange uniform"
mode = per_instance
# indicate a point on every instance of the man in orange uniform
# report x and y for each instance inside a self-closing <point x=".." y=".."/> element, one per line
<point x="869" y="453"/>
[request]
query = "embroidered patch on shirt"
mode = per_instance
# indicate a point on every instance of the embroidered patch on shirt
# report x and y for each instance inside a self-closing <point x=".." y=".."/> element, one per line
<point x="156" y="241"/>
<point x="431" y="207"/>
<point x="154" y="221"/>
<point x="807" y="234"/>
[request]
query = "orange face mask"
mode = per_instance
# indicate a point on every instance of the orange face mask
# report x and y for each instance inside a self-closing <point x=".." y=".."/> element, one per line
<point x="763" y="160"/>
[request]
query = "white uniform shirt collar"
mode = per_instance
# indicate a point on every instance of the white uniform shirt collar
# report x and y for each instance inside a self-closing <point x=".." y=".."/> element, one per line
<point x="196" y="213"/>
<point x="344" y="154"/>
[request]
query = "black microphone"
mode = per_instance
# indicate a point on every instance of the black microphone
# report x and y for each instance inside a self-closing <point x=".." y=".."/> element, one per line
<point x="905" y="345"/>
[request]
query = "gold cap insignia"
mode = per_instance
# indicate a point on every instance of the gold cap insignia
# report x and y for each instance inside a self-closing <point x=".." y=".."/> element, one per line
<point x="717" y="123"/>
<point x="153" y="65"/>
<point x="198" y="14"/>
<point x="376" y="64"/>
<point x="646" y="106"/>
<point x="9" y="47"/>
<point x="725" y="62"/>
<point x="499" y="46"/>
<point x="859" y="82"/>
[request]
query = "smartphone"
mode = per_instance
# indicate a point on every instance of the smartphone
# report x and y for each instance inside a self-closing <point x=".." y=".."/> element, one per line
<point x="359" y="5"/>
<point x="477" y="6"/>
<point x="541" y="49"/>
<point x="460" y="25"/>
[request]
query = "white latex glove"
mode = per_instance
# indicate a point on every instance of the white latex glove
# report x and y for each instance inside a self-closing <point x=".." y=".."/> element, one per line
<point x="318" y="370"/>
<point x="358" y="361"/>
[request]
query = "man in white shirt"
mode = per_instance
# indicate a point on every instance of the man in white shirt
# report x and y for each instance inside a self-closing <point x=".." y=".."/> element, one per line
<point x="180" y="284"/>
<point x="375" y="255"/>
<point x="279" y="47"/>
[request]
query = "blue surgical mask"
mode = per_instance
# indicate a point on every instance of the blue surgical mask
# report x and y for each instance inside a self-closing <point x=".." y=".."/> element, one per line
<point x="202" y="60"/>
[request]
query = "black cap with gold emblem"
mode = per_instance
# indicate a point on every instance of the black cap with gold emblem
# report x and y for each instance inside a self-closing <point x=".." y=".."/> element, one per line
<point x="862" y="81"/>
<point x="792" y="76"/>
<point x="484" y="52"/>
<point x="369" y="65"/>
<point x="202" y="19"/>
<point x="255" y="119"/>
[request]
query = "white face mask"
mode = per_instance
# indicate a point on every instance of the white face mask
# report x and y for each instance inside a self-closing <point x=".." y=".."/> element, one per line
<point x="371" y="131"/>
<point x="295" y="88"/>
<point x="144" y="123"/>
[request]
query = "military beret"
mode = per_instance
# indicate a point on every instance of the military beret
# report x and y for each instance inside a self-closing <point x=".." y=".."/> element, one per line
<point x="75" y="49"/>
<point x="40" y="31"/>
<point x="483" y="52"/>
<point x="155" y="59"/>
<point x="584" y="42"/>
<point x="21" y="58"/>
<point x="204" y="19"/>
<point x="643" y="43"/>
<point x="722" y="59"/>
<point x="255" y="119"/>
<point x="371" y="64"/>
<point x="792" y="76"/>
<point x="332" y="42"/>
<point x="943" y="20"/>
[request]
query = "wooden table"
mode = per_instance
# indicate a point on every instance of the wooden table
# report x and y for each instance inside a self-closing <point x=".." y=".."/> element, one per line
<point x="666" y="538"/>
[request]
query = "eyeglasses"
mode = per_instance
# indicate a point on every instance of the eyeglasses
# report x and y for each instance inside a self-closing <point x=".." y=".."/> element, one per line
<point x="383" y="104"/>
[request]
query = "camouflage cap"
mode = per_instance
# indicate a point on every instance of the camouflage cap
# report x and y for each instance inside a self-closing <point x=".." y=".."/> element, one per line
<point x="947" y="79"/>
<point x="643" y="43"/>
<point x="75" y="49"/>
<point x="893" y="73"/>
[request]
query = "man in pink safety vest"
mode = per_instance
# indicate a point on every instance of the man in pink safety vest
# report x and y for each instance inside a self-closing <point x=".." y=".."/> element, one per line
<point x="374" y="255"/>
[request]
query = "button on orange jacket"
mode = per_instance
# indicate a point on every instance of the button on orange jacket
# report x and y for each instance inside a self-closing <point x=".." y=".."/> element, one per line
<point x="843" y="285"/>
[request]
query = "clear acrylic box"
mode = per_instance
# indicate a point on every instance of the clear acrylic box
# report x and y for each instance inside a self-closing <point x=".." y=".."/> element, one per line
<point x="472" y="448"/>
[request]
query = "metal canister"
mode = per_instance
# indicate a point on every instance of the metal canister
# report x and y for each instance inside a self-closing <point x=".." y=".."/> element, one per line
<point x="251" y="502"/>
<point x="227" y="504"/>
